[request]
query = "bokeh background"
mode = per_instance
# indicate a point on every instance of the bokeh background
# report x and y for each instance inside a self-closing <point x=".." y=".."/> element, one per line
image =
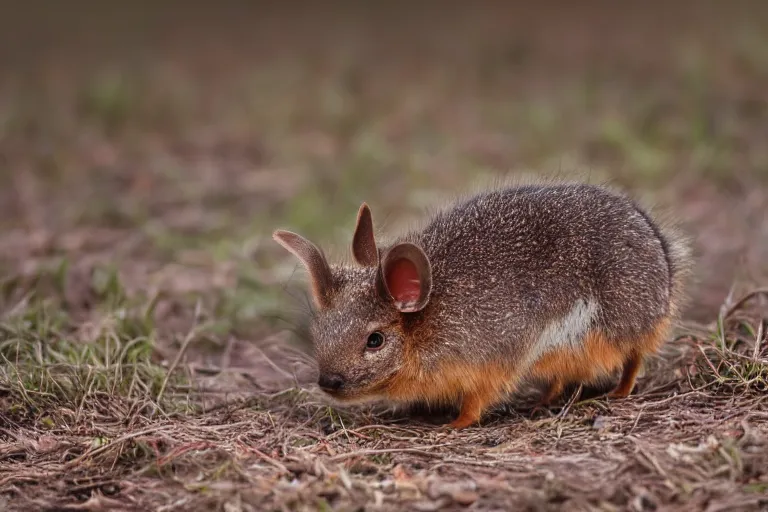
<point x="170" y="140"/>
<point x="149" y="149"/>
<point x="182" y="133"/>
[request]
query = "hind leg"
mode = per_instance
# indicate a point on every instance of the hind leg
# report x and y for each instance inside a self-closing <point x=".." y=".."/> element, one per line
<point x="554" y="390"/>
<point x="628" y="377"/>
<point x="648" y="344"/>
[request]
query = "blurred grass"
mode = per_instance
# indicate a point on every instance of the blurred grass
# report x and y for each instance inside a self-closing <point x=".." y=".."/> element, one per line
<point x="63" y="361"/>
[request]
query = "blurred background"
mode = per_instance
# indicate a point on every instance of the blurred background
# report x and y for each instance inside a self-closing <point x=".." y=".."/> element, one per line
<point x="169" y="140"/>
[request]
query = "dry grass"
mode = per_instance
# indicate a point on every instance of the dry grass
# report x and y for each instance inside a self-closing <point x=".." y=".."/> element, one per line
<point x="152" y="348"/>
<point x="94" y="435"/>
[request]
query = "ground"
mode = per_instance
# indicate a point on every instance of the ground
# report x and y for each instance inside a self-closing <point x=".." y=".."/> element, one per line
<point x="152" y="334"/>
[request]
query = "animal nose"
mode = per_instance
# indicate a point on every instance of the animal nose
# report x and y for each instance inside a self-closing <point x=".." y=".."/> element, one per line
<point x="330" y="382"/>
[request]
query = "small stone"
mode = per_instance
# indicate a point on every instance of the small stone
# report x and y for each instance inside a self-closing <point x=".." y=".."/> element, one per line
<point x="599" y="423"/>
<point x="465" y="498"/>
<point x="462" y="493"/>
<point x="431" y="506"/>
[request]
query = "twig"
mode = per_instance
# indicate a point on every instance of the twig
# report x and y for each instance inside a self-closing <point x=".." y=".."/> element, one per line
<point x="418" y="451"/>
<point x="279" y="465"/>
<point x="745" y="298"/>
<point x="117" y="441"/>
<point x="648" y="457"/>
<point x="758" y="342"/>
<point x="570" y="402"/>
<point x="637" y="419"/>
<point x="29" y="477"/>
<point x="734" y="505"/>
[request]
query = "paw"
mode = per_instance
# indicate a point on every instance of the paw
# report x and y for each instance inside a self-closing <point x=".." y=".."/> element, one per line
<point x="462" y="422"/>
<point x="618" y="393"/>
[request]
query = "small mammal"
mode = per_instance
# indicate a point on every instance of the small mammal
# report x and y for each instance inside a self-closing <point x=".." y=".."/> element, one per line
<point x="564" y="283"/>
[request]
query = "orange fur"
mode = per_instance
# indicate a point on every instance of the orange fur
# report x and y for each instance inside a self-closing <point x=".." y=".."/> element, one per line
<point x="477" y="386"/>
<point x="480" y="386"/>
<point x="598" y="357"/>
<point x="553" y="391"/>
<point x="628" y="376"/>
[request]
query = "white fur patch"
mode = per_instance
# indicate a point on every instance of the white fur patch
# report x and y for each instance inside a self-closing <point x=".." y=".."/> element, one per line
<point x="567" y="331"/>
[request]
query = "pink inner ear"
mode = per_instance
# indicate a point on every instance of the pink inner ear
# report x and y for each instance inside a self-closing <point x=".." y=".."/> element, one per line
<point x="403" y="281"/>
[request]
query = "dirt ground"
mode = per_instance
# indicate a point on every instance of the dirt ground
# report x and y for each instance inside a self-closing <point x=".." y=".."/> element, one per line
<point x="152" y="335"/>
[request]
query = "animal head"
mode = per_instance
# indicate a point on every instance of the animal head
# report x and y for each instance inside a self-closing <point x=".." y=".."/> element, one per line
<point x="357" y="326"/>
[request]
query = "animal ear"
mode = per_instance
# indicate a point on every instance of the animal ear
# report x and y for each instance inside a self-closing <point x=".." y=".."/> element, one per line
<point x="363" y="243"/>
<point x="406" y="275"/>
<point x="314" y="261"/>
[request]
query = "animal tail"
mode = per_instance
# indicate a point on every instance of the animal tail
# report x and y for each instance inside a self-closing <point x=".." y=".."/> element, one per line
<point x="679" y="256"/>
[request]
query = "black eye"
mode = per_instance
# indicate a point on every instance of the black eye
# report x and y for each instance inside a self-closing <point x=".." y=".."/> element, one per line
<point x="375" y="341"/>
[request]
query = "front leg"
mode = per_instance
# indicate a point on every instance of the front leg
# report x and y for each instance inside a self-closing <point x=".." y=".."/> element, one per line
<point x="471" y="410"/>
<point x="475" y="402"/>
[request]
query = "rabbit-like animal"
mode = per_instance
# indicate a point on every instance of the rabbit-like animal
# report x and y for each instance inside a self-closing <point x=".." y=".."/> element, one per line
<point x="565" y="283"/>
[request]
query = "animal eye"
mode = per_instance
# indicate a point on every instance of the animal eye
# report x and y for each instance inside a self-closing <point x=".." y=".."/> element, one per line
<point x="375" y="341"/>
